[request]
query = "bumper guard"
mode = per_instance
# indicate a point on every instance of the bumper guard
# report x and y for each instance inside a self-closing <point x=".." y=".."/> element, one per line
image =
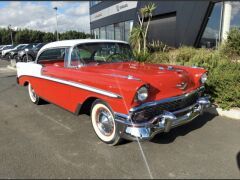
<point x="161" y="123"/>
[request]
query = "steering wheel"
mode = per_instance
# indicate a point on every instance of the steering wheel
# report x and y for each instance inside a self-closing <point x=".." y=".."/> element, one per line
<point x="110" y="57"/>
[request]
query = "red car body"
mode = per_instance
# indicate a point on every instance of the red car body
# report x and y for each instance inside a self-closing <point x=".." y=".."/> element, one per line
<point x="114" y="83"/>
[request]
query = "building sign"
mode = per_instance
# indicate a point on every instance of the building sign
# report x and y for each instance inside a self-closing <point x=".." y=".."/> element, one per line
<point x="117" y="8"/>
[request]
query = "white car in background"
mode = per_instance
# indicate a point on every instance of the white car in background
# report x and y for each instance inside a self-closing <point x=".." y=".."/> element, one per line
<point x="5" y="52"/>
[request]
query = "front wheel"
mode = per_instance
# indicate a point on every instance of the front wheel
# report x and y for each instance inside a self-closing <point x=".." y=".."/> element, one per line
<point x="27" y="58"/>
<point x="33" y="96"/>
<point x="104" y="124"/>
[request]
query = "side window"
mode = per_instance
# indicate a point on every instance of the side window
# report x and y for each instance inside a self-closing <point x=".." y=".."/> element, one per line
<point x="75" y="58"/>
<point x="52" y="54"/>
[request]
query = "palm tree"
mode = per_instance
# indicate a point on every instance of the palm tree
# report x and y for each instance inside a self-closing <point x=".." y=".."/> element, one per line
<point x="136" y="37"/>
<point x="147" y="13"/>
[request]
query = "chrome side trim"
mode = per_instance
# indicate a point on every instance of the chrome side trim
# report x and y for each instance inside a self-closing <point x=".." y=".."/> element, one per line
<point x="79" y="85"/>
<point x="123" y="76"/>
<point x="154" y="103"/>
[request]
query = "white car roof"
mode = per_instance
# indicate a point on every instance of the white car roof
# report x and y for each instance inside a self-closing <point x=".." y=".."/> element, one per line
<point x="74" y="42"/>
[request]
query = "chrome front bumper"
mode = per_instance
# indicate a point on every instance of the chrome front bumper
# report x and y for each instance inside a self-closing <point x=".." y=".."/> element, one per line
<point x="161" y="123"/>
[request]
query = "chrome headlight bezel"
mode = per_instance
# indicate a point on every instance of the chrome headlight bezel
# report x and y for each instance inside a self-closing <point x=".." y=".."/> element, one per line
<point x="203" y="78"/>
<point x="142" y="93"/>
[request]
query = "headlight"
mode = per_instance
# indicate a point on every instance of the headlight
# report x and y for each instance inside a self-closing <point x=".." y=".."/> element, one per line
<point x="203" y="78"/>
<point x="142" y="93"/>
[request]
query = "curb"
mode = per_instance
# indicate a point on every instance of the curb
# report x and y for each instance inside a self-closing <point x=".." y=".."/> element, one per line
<point x="232" y="113"/>
<point x="11" y="67"/>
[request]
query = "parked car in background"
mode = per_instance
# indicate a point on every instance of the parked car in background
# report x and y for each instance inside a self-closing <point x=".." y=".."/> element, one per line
<point x="5" y="47"/>
<point x="6" y="52"/>
<point x="126" y="99"/>
<point x="14" y="53"/>
<point x="29" y="54"/>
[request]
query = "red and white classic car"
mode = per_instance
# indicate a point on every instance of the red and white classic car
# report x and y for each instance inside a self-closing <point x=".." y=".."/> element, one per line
<point x="126" y="99"/>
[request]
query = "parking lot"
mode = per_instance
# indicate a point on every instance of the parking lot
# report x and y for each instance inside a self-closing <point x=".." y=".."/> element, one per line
<point x="48" y="142"/>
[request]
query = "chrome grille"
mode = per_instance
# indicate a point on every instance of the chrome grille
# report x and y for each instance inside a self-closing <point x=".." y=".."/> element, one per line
<point x="150" y="112"/>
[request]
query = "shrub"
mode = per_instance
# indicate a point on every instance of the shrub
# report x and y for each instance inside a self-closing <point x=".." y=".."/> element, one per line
<point x="224" y="84"/>
<point x="141" y="57"/>
<point x="232" y="45"/>
<point x="157" y="46"/>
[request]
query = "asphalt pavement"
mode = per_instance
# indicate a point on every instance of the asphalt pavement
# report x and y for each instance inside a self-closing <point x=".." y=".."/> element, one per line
<point x="46" y="141"/>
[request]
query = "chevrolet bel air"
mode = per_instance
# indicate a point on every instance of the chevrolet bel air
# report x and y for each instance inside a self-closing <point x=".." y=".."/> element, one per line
<point x="125" y="98"/>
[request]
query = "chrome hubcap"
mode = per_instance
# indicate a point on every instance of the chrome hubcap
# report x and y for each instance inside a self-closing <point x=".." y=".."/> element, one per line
<point x="105" y="122"/>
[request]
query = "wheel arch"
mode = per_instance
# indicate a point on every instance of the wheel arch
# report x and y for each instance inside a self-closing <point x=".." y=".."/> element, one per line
<point x="25" y="83"/>
<point x="85" y="107"/>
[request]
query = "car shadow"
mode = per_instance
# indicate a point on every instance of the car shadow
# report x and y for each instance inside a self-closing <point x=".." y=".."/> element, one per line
<point x="200" y="121"/>
<point x="238" y="160"/>
<point x="43" y="102"/>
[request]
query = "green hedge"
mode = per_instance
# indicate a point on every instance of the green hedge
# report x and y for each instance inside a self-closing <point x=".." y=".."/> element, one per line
<point x="223" y="77"/>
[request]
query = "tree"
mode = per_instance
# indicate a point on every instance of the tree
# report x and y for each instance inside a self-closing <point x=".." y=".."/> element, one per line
<point x="34" y="36"/>
<point x="136" y="38"/>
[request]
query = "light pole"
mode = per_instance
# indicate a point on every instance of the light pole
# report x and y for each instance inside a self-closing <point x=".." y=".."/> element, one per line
<point x="9" y="27"/>
<point x="56" y="22"/>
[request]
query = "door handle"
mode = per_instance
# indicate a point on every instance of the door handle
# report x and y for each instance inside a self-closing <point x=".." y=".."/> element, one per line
<point x="44" y="70"/>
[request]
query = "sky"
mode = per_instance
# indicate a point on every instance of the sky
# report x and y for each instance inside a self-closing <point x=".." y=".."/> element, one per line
<point x="40" y="15"/>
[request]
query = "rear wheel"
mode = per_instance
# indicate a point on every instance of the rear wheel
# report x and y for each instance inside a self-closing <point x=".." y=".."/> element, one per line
<point x="33" y="96"/>
<point x="104" y="124"/>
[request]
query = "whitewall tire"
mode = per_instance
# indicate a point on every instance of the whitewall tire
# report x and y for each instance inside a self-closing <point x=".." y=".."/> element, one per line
<point x="33" y="96"/>
<point x="103" y="123"/>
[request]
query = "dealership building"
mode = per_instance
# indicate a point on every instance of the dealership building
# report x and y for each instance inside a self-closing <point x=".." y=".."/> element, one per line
<point x="193" y="23"/>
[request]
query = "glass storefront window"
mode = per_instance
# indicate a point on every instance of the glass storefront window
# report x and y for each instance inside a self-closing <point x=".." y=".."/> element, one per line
<point x="235" y="14"/>
<point x="110" y="31"/>
<point x="128" y="28"/>
<point x="119" y="31"/>
<point x="216" y="29"/>
<point x="93" y="3"/>
<point x="211" y="33"/>
<point x="103" y="32"/>
<point x="96" y="33"/>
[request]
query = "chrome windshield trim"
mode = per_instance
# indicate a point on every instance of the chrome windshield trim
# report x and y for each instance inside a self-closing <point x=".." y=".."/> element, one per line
<point x="154" y="103"/>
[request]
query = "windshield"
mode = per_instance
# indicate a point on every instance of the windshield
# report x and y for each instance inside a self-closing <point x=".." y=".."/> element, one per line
<point x="38" y="46"/>
<point x="101" y="53"/>
<point x="29" y="46"/>
<point x="20" y="46"/>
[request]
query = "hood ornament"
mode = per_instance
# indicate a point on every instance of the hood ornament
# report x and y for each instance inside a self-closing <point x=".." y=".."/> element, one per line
<point x="182" y="85"/>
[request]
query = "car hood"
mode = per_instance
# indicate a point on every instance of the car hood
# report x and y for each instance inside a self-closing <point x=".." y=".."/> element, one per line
<point x="171" y="80"/>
